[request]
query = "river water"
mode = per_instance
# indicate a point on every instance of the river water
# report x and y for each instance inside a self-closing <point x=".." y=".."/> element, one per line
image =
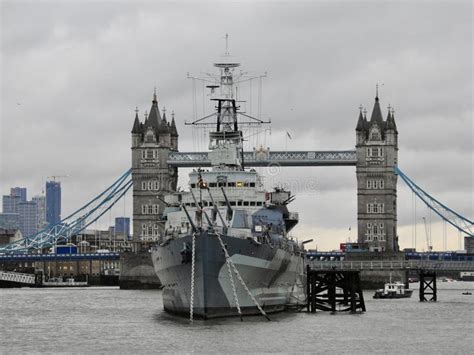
<point x="111" y="320"/>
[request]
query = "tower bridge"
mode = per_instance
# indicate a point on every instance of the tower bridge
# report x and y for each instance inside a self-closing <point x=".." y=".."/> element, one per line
<point x="156" y="160"/>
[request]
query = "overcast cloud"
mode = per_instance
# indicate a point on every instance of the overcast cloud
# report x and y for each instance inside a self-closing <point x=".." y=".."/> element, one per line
<point x="73" y="72"/>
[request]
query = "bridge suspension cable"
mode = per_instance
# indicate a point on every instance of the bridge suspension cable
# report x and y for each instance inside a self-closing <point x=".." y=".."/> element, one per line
<point x="76" y="221"/>
<point x="462" y="224"/>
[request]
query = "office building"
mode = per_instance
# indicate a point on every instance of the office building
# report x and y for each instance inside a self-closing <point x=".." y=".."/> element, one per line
<point x="40" y="212"/>
<point x="122" y="225"/>
<point x="9" y="221"/>
<point x="10" y="203"/>
<point x="28" y="218"/>
<point x="53" y="202"/>
<point x="20" y="192"/>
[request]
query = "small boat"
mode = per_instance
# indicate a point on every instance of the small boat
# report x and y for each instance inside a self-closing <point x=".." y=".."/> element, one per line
<point x="59" y="282"/>
<point x="393" y="290"/>
<point x="467" y="293"/>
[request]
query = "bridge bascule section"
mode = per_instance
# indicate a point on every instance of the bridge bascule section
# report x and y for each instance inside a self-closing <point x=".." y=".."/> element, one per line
<point x="156" y="160"/>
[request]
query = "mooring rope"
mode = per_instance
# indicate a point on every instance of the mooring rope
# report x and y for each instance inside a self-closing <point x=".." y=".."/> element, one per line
<point x="193" y="262"/>
<point x="231" y="263"/>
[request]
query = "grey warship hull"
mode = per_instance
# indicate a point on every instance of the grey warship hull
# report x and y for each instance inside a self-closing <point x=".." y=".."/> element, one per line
<point x="273" y="275"/>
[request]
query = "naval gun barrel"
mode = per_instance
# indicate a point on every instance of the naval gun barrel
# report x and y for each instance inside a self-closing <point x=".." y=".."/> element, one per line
<point x="201" y="210"/>
<point x="224" y="224"/>
<point x="229" y="207"/>
<point x="193" y="226"/>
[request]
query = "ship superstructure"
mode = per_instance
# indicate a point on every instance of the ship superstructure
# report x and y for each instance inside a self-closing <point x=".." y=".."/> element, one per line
<point x="226" y="248"/>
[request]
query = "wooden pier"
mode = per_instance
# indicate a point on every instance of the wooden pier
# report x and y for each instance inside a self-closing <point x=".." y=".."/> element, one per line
<point x="334" y="291"/>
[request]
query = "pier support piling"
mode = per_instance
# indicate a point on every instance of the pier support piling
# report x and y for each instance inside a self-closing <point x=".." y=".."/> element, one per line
<point x="334" y="291"/>
<point x="428" y="290"/>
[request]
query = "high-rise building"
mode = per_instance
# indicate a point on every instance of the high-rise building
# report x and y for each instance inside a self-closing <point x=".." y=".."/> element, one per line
<point x="19" y="213"/>
<point x="53" y="202"/>
<point x="152" y="142"/>
<point x="9" y="220"/>
<point x="10" y="203"/>
<point x="28" y="218"/>
<point x="40" y="212"/>
<point x="377" y="151"/>
<point x="20" y="192"/>
<point x="10" y="216"/>
<point x="122" y="225"/>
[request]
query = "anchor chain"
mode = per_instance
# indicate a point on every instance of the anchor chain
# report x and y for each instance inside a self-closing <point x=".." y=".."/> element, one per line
<point x="193" y="262"/>
<point x="231" y="263"/>
<point x="231" y="278"/>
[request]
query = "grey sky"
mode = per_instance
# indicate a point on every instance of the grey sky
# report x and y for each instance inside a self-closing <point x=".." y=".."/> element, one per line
<point x="73" y="72"/>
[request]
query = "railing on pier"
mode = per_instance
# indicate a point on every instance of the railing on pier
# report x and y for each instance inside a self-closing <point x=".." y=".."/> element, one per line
<point x="59" y="257"/>
<point x="393" y="265"/>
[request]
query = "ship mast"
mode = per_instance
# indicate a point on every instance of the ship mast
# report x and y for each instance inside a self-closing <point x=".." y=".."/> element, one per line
<point x="226" y="140"/>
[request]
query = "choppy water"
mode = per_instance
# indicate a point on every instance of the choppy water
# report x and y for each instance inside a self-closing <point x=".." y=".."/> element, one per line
<point x="113" y="320"/>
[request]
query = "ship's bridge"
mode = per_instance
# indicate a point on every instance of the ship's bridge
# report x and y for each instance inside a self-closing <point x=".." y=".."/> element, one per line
<point x="227" y="179"/>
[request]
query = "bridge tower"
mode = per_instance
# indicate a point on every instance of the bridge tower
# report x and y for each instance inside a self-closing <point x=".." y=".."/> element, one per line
<point x="152" y="141"/>
<point x="377" y="153"/>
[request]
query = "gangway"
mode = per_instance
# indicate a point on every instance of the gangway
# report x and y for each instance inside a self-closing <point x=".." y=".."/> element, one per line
<point x="18" y="277"/>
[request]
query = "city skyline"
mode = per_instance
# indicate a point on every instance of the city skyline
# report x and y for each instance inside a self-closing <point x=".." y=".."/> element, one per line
<point x="313" y="91"/>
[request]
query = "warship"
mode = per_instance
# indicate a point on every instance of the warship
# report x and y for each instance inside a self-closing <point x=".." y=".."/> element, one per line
<point x="225" y="249"/>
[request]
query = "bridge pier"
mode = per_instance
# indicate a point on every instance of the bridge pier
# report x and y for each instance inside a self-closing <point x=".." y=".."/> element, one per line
<point x="428" y="286"/>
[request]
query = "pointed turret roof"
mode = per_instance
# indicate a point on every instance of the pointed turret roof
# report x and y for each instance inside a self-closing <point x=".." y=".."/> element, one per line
<point x="360" y="122"/>
<point x="164" y="128"/>
<point x="391" y="121"/>
<point x="164" y="115"/>
<point x="154" y="117"/>
<point x="173" y="130"/>
<point x="387" y="119"/>
<point x="146" y="120"/>
<point x="136" y="123"/>
<point x="376" y="113"/>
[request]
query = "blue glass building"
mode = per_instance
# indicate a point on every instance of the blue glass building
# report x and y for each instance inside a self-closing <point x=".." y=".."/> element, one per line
<point x="122" y="225"/>
<point x="53" y="202"/>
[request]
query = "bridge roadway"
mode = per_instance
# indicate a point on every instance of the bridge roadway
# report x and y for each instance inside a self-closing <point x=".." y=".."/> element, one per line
<point x="261" y="158"/>
<point x="59" y="257"/>
<point x="361" y="265"/>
